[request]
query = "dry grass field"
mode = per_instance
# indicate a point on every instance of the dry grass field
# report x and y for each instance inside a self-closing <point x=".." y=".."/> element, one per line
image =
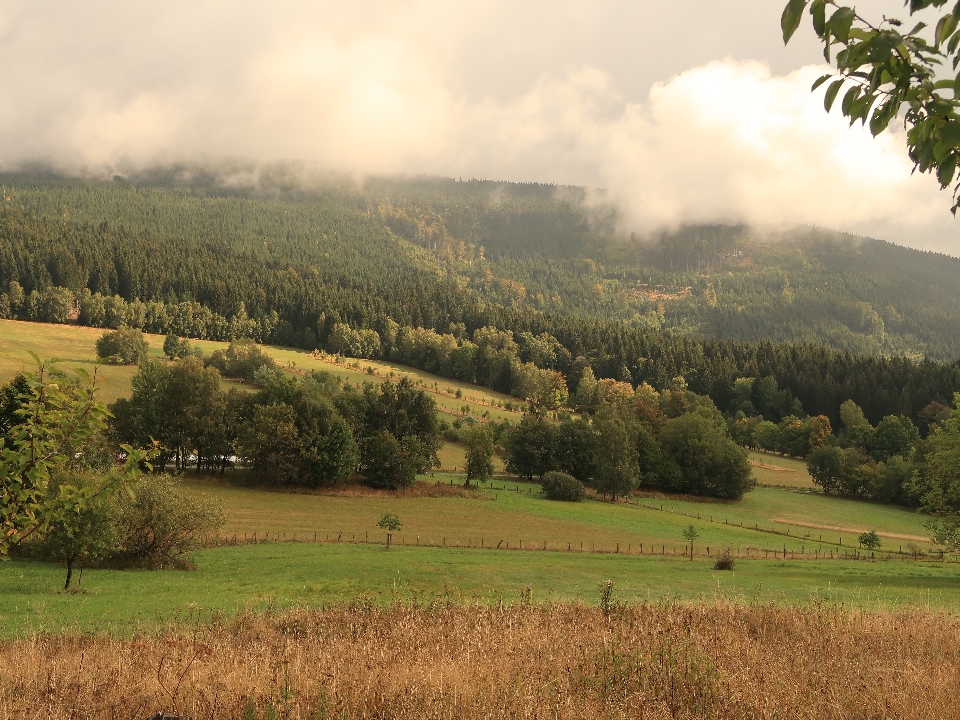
<point x="563" y="660"/>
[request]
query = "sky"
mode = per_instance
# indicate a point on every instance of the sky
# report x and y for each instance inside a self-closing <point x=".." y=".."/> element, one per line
<point x="682" y="110"/>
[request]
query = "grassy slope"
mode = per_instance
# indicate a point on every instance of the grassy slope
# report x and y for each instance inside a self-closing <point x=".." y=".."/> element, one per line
<point x="512" y="516"/>
<point x="229" y="578"/>
<point x="75" y="345"/>
<point x="303" y="574"/>
<point x="770" y="469"/>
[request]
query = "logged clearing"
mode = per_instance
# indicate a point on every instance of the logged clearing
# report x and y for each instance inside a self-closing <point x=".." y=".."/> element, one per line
<point x="531" y="660"/>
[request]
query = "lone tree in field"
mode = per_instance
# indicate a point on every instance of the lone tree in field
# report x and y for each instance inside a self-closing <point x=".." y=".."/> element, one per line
<point x="884" y="69"/>
<point x="391" y="523"/>
<point x="869" y="540"/>
<point x="691" y="534"/>
<point x="86" y="534"/>
<point x="177" y="348"/>
<point x="479" y="441"/>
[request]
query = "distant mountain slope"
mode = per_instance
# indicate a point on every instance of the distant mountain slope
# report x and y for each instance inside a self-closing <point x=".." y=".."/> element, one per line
<point x="549" y="248"/>
<point x="518" y="245"/>
<point x="459" y="257"/>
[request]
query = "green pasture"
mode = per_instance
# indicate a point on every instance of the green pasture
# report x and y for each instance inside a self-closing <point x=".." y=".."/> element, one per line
<point x="810" y="517"/>
<point x="76" y="346"/>
<point x="453" y="458"/>
<point x="279" y="575"/>
<point x="512" y="511"/>
<point x="475" y="399"/>
<point x="770" y="469"/>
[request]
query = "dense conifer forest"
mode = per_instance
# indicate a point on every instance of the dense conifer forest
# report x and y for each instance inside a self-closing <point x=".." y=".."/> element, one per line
<point x="491" y="283"/>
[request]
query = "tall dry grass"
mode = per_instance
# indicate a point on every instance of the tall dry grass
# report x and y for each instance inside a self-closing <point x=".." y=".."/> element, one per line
<point x="528" y="661"/>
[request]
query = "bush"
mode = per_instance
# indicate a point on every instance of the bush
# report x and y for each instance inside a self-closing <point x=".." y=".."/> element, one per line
<point x="560" y="486"/>
<point x="177" y="348"/>
<point x="161" y="523"/>
<point x="124" y="345"/>
<point x="724" y="560"/>
<point x="242" y="359"/>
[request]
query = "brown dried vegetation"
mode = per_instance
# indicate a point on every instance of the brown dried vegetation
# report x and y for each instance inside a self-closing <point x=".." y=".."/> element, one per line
<point x="525" y="661"/>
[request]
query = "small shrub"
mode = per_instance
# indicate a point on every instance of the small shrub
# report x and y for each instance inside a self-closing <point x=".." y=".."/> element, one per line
<point x="242" y="359"/>
<point x="125" y="346"/>
<point x="607" y="603"/>
<point x="724" y="560"/>
<point x="560" y="486"/>
<point x="161" y="523"/>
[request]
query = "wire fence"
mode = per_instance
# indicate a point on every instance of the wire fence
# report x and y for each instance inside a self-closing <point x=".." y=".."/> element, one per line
<point x="834" y="548"/>
<point x="592" y="547"/>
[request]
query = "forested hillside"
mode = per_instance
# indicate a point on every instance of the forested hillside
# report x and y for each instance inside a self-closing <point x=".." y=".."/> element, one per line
<point x="826" y="317"/>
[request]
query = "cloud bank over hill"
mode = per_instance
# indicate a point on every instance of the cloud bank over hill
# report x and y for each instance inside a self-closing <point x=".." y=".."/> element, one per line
<point x="473" y="89"/>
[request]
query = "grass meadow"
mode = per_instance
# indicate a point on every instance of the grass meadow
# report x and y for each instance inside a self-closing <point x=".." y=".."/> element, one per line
<point x="780" y="471"/>
<point x="487" y="546"/>
<point x="288" y="575"/>
<point x="512" y="511"/>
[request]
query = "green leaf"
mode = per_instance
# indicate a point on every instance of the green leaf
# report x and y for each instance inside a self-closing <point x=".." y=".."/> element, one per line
<point x="950" y="133"/>
<point x="831" y="94"/>
<point x="818" y="11"/>
<point x="820" y="81"/>
<point x="881" y="117"/>
<point x="945" y="28"/>
<point x="790" y="19"/>
<point x="848" y="99"/>
<point x="954" y="41"/>
<point x="840" y="22"/>
<point x="946" y="169"/>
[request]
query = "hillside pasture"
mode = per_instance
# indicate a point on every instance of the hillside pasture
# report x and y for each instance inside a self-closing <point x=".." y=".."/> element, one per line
<point x="512" y="511"/>
<point x="780" y="471"/>
<point x="76" y="346"/>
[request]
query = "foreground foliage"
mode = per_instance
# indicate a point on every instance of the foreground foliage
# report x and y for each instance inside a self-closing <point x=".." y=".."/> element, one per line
<point x="59" y="421"/>
<point x="560" y="661"/>
<point x="885" y="67"/>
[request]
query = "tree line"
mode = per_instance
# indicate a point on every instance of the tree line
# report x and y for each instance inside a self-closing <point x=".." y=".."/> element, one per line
<point x="309" y="431"/>
<point x="317" y="431"/>
<point x="675" y="442"/>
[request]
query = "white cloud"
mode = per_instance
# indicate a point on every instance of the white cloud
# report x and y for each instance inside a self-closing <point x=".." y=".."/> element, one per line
<point x="387" y="86"/>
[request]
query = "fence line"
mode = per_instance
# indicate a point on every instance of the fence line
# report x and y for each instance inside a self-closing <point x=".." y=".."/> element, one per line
<point x="515" y="487"/>
<point x="613" y="548"/>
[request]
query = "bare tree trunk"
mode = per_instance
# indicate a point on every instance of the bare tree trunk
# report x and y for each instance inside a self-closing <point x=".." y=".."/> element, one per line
<point x="66" y="585"/>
